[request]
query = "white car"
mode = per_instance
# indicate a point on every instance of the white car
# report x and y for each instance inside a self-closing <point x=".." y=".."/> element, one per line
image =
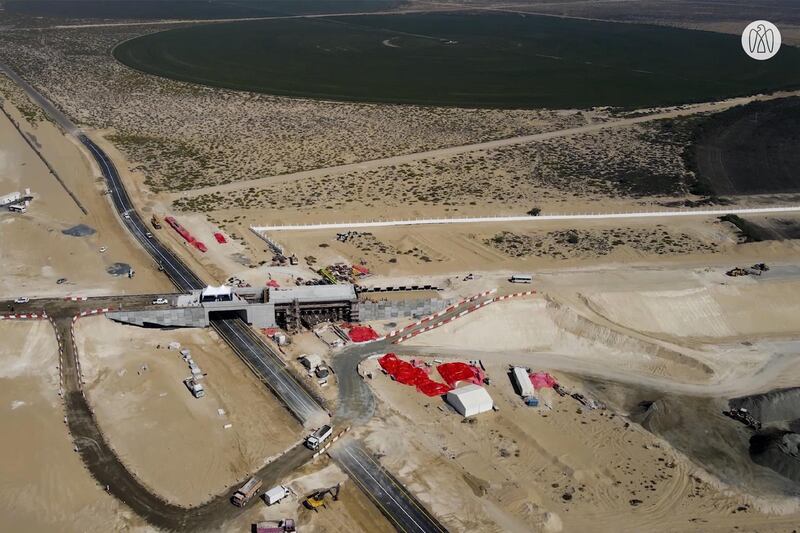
<point x="149" y="235"/>
<point x="22" y="300"/>
<point x="103" y="249"/>
<point x="127" y="216"/>
<point x="160" y="301"/>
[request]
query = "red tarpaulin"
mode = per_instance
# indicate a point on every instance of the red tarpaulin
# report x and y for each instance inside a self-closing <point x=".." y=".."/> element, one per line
<point x="272" y="283"/>
<point x="407" y="374"/>
<point x="364" y="271"/>
<point x="362" y="334"/>
<point x="542" y="380"/>
<point x="220" y="238"/>
<point x="452" y="373"/>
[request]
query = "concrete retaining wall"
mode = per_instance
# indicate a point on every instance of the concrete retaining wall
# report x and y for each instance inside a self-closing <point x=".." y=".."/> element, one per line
<point x="387" y="310"/>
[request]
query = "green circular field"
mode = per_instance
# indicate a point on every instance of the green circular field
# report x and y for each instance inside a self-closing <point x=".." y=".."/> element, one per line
<point x="484" y="60"/>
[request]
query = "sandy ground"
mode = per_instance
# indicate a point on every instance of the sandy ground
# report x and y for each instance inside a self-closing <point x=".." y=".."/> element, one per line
<point x="47" y="486"/>
<point x="33" y="270"/>
<point x="176" y="444"/>
<point x="539" y="469"/>
<point x="352" y="512"/>
<point x="450" y="249"/>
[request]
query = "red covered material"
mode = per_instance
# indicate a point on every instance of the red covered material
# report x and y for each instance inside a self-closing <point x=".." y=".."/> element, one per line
<point x="274" y="284"/>
<point x="185" y="234"/>
<point x="220" y="238"/>
<point x="452" y="373"/>
<point x="362" y="334"/>
<point x="542" y="380"/>
<point x="363" y="271"/>
<point x="407" y="374"/>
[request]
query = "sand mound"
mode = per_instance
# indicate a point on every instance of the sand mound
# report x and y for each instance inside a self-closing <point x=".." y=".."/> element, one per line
<point x="542" y="326"/>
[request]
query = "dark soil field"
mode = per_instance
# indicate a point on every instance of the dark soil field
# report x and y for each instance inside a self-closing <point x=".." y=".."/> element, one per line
<point x="752" y="149"/>
<point x="464" y="59"/>
<point x="188" y="9"/>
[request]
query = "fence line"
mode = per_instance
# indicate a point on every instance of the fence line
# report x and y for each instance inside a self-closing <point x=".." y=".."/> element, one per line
<point x="259" y="230"/>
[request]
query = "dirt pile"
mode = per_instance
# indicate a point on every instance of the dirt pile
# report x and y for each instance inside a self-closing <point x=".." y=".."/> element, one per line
<point x="782" y="405"/>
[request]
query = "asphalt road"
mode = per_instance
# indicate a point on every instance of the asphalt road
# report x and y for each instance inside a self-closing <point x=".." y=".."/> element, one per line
<point x="397" y="504"/>
<point x="257" y="355"/>
<point x="403" y="510"/>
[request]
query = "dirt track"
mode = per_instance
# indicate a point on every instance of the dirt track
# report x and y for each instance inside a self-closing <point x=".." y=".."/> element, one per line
<point x="455" y="150"/>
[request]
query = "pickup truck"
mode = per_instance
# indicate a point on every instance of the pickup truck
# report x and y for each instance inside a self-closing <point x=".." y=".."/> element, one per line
<point x="314" y="440"/>
<point x="22" y="300"/>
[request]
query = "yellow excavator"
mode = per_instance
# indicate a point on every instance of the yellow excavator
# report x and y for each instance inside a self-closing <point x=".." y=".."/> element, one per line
<point x="317" y="499"/>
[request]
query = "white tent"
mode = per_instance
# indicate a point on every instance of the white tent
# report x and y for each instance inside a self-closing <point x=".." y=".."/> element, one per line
<point x="470" y="400"/>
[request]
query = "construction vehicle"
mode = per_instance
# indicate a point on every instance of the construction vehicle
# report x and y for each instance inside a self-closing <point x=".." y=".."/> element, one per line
<point x="275" y="494"/>
<point x="154" y="221"/>
<point x="246" y="492"/>
<point x="281" y="526"/>
<point x="197" y="389"/>
<point x="314" y="440"/>
<point x="317" y="498"/>
<point x="743" y="415"/>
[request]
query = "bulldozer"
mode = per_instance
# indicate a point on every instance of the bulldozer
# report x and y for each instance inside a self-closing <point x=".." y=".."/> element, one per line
<point x="317" y="499"/>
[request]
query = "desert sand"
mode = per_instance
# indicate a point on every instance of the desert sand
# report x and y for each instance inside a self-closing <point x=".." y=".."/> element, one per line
<point x="176" y="444"/>
<point x="32" y="270"/>
<point x="47" y="486"/>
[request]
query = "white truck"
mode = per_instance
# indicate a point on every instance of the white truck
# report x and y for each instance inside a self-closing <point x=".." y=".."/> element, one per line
<point x="197" y="389"/>
<point x="275" y="494"/>
<point x="314" y="440"/>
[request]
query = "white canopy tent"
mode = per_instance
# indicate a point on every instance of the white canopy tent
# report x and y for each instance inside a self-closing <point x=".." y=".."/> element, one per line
<point x="470" y="400"/>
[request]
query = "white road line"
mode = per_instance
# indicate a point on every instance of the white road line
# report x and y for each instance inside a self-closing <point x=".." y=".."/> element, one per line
<point x="144" y="240"/>
<point x="304" y="402"/>
<point x="384" y="489"/>
<point x="528" y="218"/>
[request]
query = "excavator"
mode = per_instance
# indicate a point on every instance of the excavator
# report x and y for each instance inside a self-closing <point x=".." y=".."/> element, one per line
<point x="317" y="499"/>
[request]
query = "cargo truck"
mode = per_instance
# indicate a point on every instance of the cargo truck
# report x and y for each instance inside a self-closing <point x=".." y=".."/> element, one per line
<point x="275" y="494"/>
<point x="246" y="492"/>
<point x="314" y="440"/>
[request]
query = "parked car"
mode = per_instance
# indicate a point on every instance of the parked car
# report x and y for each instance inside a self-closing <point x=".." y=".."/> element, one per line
<point x="61" y="281"/>
<point x="22" y="300"/>
<point x="160" y="301"/>
<point x="103" y="249"/>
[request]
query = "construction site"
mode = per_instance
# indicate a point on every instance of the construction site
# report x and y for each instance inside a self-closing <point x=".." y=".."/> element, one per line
<point x="320" y="353"/>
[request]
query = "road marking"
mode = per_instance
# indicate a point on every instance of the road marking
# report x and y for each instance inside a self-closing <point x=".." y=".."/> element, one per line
<point x="347" y="451"/>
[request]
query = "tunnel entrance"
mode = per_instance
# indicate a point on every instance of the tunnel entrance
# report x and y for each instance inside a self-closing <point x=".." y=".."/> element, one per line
<point x="229" y="314"/>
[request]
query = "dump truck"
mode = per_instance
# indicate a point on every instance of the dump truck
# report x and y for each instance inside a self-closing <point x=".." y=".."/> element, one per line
<point x="246" y="492"/>
<point x="154" y="221"/>
<point x="281" y="526"/>
<point x="314" y="440"/>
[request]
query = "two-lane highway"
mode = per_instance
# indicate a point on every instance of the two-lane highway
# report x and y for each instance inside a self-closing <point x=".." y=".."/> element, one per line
<point x="398" y="505"/>
<point x="404" y="511"/>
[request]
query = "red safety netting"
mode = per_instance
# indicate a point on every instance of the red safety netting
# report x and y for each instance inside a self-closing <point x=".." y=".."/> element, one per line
<point x="220" y="238"/>
<point x="452" y="373"/>
<point x="408" y="374"/>
<point x="542" y="380"/>
<point x="362" y="334"/>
